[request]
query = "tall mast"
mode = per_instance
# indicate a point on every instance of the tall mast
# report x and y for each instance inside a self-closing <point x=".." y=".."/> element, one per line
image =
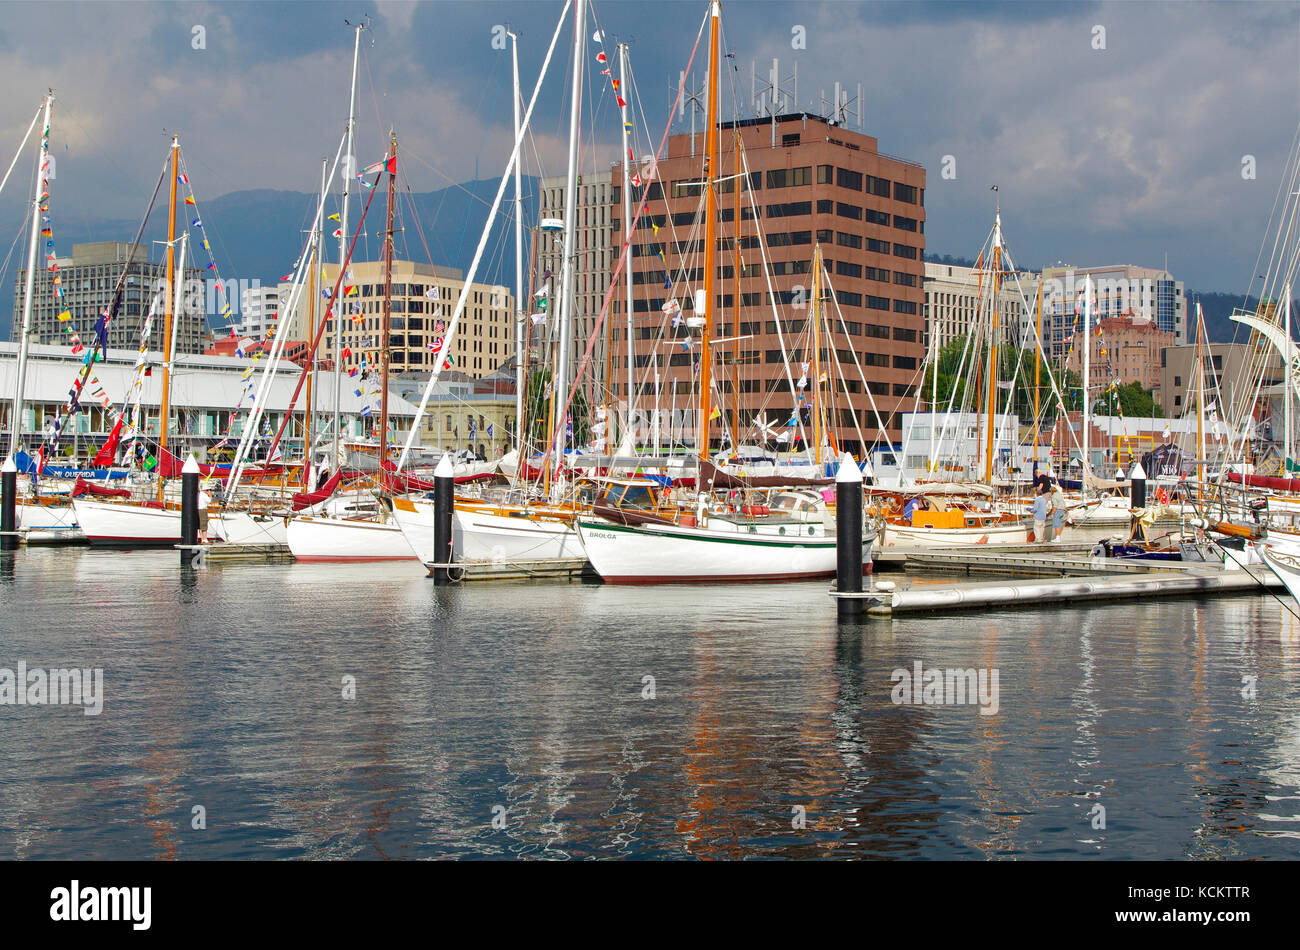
<point x="1200" y="403"/>
<point x="735" y="309"/>
<point x="1286" y="394"/>
<point x="992" y="373"/>
<point x="710" y="227"/>
<point x="349" y="171"/>
<point x="42" y="183"/>
<point x="316" y="258"/>
<point x="1038" y="363"/>
<point x="559" y="389"/>
<point x="627" y="224"/>
<point x="520" y="316"/>
<point x="1087" y="354"/>
<point x="815" y="385"/>
<point x="387" y="323"/>
<point x="165" y="405"/>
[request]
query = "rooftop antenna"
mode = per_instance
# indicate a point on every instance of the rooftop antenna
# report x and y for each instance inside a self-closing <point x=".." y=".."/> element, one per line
<point x="842" y="106"/>
<point x="691" y="98"/>
<point x="774" y="98"/>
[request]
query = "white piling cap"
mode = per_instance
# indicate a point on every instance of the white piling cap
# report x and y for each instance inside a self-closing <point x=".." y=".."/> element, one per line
<point x="191" y="466"/>
<point x="1138" y="472"/>
<point x="9" y="465"/>
<point x="444" y="468"/>
<point x="1119" y="474"/>
<point x="849" y="471"/>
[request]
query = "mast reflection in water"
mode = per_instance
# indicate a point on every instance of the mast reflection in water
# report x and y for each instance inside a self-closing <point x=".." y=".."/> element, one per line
<point x="521" y="721"/>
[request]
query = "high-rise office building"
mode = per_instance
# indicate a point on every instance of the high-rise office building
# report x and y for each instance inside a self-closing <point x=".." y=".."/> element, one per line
<point x="89" y="277"/>
<point x="803" y="182"/>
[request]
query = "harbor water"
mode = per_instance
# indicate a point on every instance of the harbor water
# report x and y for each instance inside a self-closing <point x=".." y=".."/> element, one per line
<point x="323" y="711"/>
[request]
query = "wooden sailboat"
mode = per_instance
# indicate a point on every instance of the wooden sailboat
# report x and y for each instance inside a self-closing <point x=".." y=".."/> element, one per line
<point x="49" y="517"/>
<point x="640" y="539"/>
<point x="362" y="539"/>
<point x="154" y="522"/>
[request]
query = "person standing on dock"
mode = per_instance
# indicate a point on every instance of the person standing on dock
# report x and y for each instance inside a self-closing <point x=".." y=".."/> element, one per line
<point x="1058" y="510"/>
<point x="204" y="501"/>
<point x="1040" y="513"/>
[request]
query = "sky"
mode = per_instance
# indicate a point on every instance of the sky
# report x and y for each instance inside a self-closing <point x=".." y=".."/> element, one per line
<point x="1126" y="132"/>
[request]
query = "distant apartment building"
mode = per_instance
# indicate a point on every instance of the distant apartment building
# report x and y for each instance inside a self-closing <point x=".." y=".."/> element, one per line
<point x="1232" y="373"/>
<point x="423" y="301"/>
<point x="804" y="183"/>
<point x="1118" y="290"/>
<point x="1127" y="349"/>
<point x="956" y="299"/>
<point x="89" y="278"/>
<point x="258" y="310"/>
<point x="595" y="253"/>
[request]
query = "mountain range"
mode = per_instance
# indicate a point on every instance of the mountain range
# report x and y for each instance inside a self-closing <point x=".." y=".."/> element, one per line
<point x="258" y="235"/>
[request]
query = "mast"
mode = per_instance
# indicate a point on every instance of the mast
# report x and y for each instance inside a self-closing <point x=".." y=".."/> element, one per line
<point x="627" y="223"/>
<point x="735" y="309"/>
<point x="1286" y="394"/>
<point x="349" y="170"/>
<point x="386" y="325"/>
<point x="560" y="380"/>
<point x="42" y="182"/>
<point x="165" y="405"/>
<point x="519" y="262"/>
<point x="1200" y="403"/>
<point x="1038" y="363"/>
<point x="816" y="381"/>
<point x="992" y="401"/>
<point x="710" y="227"/>
<point x="316" y="258"/>
<point x="1087" y="353"/>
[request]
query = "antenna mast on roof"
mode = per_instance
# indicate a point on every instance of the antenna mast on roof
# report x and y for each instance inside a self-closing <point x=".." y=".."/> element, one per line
<point x="774" y="98"/>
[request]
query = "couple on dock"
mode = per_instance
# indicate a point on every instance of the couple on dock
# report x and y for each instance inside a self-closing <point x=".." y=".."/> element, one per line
<point x="1048" y="497"/>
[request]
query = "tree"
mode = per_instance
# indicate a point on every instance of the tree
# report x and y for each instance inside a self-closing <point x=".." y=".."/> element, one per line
<point x="537" y="403"/>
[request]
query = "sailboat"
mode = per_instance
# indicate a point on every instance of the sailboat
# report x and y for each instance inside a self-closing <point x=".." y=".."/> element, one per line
<point x="49" y="517"/>
<point x="319" y="538"/>
<point x="156" y="521"/>
<point x="637" y="534"/>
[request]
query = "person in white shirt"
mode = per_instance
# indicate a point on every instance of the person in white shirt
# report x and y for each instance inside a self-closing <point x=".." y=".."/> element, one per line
<point x="204" y="501"/>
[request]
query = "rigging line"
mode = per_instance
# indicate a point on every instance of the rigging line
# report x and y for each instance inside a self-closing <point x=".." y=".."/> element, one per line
<point x="624" y="260"/>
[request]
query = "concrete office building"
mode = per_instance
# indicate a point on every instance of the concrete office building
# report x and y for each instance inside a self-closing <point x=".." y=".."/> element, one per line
<point x="89" y="277"/>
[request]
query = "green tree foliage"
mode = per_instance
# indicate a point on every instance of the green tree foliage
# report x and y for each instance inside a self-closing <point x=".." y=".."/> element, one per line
<point x="537" y="405"/>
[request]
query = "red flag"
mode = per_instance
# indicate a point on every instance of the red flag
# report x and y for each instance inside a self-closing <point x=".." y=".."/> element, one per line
<point x="392" y="165"/>
<point x="106" y="455"/>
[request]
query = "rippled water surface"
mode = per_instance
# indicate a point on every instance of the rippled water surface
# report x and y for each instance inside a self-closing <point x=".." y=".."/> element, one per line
<point x="224" y="689"/>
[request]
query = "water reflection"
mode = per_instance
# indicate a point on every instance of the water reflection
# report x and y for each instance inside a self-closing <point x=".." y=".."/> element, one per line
<point x="516" y="721"/>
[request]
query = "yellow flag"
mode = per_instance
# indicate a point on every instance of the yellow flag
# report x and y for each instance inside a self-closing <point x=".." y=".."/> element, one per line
<point x="65" y="316"/>
<point x="715" y="413"/>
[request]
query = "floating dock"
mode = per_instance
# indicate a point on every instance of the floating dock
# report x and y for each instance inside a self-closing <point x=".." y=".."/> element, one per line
<point x="1192" y="581"/>
<point x="559" y="569"/>
<point x="220" y="552"/>
<point x="896" y="556"/>
<point x="1051" y="564"/>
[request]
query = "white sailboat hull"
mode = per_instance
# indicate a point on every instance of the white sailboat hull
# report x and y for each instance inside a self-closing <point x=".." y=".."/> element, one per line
<point x="1284" y="561"/>
<point x="48" y="524"/>
<point x="328" y="539"/>
<point x="127" y="524"/>
<point x="945" y="537"/>
<point x="654" y="554"/>
<point x="482" y="535"/>
<point x="240" y="527"/>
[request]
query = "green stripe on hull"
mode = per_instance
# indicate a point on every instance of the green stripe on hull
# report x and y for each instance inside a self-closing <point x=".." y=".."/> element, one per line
<point x="740" y="539"/>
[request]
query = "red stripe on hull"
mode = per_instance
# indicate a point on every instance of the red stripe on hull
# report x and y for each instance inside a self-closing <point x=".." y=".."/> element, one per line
<point x="106" y="539"/>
